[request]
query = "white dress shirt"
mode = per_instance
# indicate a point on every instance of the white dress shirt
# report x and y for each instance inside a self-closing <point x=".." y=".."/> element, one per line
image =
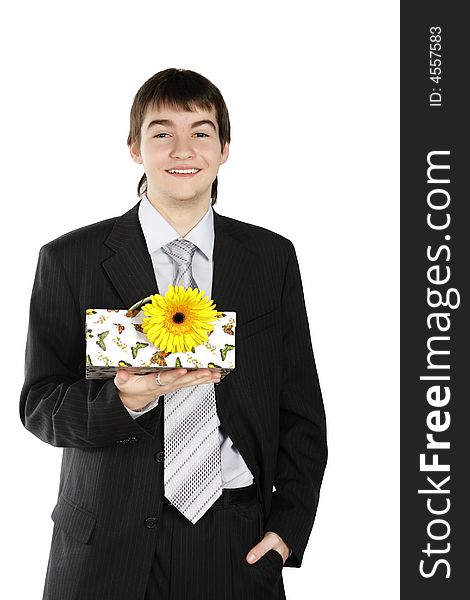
<point x="158" y="232"/>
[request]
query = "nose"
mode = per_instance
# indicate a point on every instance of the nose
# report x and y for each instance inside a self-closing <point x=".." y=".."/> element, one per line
<point x="182" y="148"/>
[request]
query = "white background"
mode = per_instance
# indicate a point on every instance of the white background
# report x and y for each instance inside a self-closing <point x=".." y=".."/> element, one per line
<point x="312" y="91"/>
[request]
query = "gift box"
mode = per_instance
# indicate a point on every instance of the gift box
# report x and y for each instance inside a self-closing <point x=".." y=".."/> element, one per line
<point x="114" y="338"/>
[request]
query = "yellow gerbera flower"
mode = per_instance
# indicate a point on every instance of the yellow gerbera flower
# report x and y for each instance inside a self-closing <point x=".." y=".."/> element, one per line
<point x="179" y="320"/>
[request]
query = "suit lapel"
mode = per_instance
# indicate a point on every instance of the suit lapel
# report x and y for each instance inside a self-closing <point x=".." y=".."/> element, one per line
<point x="130" y="269"/>
<point x="233" y="264"/>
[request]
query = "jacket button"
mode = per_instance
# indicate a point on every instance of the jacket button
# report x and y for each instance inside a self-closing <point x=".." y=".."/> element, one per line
<point x="150" y="522"/>
<point x="159" y="456"/>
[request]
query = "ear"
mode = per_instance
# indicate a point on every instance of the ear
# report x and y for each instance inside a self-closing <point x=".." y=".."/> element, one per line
<point x="224" y="154"/>
<point x="135" y="152"/>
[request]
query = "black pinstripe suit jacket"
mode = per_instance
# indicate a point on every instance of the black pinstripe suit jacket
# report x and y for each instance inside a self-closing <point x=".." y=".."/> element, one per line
<point x="270" y="405"/>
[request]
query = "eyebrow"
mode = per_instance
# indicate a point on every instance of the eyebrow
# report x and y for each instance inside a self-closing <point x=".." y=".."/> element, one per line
<point x="171" y="124"/>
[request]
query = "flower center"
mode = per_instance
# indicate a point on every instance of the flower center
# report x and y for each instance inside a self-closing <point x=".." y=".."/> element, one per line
<point x="178" y="318"/>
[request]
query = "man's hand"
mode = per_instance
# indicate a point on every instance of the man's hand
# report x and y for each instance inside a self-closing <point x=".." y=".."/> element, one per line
<point x="136" y="391"/>
<point x="270" y="541"/>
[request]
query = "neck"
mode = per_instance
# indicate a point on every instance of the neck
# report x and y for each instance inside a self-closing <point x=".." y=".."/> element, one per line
<point x="182" y="216"/>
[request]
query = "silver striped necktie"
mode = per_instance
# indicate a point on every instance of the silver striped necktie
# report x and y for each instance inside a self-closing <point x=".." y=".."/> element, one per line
<point x="192" y="467"/>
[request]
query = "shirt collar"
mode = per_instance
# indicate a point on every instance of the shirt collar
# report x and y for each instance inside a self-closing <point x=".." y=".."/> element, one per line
<point x="158" y="232"/>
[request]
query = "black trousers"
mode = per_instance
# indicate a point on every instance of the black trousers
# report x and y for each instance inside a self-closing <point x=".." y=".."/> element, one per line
<point x="207" y="561"/>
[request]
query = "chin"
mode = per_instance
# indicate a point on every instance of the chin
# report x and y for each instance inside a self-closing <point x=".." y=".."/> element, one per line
<point x="182" y="195"/>
<point x="189" y="196"/>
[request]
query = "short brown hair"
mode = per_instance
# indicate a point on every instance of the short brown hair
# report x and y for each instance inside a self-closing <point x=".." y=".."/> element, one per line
<point x="180" y="89"/>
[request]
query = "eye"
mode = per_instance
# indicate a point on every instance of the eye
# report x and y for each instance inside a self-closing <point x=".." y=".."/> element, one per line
<point x="159" y="134"/>
<point x="201" y="133"/>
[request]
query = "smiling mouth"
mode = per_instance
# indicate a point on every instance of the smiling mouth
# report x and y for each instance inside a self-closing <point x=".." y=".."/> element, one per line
<point x="183" y="172"/>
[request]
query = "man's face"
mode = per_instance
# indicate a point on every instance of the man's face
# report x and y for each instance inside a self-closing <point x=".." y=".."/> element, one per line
<point x="181" y="140"/>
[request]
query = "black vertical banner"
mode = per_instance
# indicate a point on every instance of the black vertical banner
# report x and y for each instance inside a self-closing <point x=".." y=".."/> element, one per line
<point x="435" y="244"/>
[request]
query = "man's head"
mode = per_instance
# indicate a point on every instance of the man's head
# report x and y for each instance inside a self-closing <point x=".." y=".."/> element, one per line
<point x="182" y="99"/>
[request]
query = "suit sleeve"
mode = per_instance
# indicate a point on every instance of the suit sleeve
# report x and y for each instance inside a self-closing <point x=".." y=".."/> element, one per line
<point x="57" y="403"/>
<point x="302" y="453"/>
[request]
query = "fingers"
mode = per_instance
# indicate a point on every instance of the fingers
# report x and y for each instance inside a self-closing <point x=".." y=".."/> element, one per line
<point x="122" y="377"/>
<point x="178" y="378"/>
<point x="172" y="379"/>
<point x="170" y="376"/>
<point x="256" y="553"/>
<point x="137" y="390"/>
<point x="130" y="381"/>
<point x="270" y="541"/>
<point x="199" y="376"/>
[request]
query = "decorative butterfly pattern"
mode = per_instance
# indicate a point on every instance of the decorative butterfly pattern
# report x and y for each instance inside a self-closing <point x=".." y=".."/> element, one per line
<point x="225" y="349"/>
<point x="123" y="363"/>
<point x="159" y="358"/>
<point x="135" y="349"/>
<point x="101" y="337"/>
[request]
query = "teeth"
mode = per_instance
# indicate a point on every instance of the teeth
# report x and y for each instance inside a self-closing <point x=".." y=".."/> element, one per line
<point x="183" y="170"/>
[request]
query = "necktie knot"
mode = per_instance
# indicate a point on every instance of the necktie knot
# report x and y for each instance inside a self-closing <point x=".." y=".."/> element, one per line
<point x="181" y="252"/>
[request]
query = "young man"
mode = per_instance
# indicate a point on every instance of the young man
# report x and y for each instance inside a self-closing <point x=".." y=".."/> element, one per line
<point x="124" y="528"/>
